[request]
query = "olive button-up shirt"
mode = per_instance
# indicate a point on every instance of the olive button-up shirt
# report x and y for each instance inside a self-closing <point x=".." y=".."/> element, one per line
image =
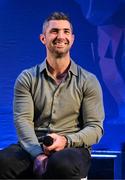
<point x="73" y="108"/>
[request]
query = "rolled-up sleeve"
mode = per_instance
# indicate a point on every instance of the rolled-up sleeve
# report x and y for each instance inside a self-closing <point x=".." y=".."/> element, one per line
<point x="24" y="114"/>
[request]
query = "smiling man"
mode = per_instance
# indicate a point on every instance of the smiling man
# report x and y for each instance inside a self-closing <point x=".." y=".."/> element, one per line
<point x="60" y="99"/>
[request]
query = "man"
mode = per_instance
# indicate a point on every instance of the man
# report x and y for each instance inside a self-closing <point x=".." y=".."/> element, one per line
<point x="56" y="98"/>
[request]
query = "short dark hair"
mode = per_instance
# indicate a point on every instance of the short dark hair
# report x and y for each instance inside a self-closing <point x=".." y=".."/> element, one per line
<point x="57" y="16"/>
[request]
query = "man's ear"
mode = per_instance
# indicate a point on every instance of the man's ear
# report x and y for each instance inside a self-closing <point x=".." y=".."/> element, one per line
<point x="42" y="38"/>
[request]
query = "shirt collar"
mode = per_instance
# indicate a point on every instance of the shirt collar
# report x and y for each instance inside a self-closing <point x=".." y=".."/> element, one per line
<point x="73" y="67"/>
<point x="43" y="65"/>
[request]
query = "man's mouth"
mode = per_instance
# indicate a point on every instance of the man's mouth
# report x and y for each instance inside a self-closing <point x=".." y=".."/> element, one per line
<point x="60" y="43"/>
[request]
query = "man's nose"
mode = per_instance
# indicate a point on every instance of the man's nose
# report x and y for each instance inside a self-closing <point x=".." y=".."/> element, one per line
<point x="60" y="34"/>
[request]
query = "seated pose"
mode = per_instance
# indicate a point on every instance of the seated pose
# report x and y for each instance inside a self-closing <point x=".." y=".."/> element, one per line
<point x="56" y="102"/>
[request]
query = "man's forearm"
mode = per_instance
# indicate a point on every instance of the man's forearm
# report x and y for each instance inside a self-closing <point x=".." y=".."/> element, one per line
<point x="86" y="137"/>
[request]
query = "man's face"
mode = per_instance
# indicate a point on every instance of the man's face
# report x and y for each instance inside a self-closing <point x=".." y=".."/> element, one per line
<point x="58" y="37"/>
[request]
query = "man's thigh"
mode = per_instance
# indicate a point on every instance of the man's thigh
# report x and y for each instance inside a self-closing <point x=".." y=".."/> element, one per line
<point x="15" y="162"/>
<point x="69" y="163"/>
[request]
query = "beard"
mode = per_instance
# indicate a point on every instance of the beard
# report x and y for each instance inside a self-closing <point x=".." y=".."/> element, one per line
<point x="59" y="52"/>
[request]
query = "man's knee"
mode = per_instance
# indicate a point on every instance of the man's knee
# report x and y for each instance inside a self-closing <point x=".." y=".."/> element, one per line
<point x="66" y="163"/>
<point x="61" y="161"/>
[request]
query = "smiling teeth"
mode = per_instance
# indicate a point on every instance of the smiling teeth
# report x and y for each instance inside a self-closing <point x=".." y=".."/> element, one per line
<point x="60" y="43"/>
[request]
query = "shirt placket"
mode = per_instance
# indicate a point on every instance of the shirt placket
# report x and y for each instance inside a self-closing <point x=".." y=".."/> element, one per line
<point x="55" y="106"/>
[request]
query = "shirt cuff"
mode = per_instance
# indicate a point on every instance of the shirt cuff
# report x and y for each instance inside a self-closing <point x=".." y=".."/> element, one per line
<point x="69" y="141"/>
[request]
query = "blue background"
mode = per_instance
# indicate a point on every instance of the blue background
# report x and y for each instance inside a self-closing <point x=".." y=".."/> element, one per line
<point x="20" y="48"/>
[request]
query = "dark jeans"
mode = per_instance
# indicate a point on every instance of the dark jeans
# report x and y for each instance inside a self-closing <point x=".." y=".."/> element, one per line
<point x="70" y="163"/>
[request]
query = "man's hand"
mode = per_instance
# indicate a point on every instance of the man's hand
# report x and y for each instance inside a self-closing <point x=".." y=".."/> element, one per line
<point x="40" y="164"/>
<point x="59" y="143"/>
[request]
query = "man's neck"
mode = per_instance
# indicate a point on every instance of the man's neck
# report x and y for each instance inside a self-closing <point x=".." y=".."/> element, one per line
<point x="58" y="66"/>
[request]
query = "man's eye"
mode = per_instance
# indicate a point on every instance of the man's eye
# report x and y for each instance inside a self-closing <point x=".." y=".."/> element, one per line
<point x="54" y="31"/>
<point x="67" y="32"/>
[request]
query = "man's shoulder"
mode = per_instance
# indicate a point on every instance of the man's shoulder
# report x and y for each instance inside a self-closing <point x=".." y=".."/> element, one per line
<point x="88" y="80"/>
<point x="84" y="73"/>
<point x="33" y="71"/>
<point x="30" y="75"/>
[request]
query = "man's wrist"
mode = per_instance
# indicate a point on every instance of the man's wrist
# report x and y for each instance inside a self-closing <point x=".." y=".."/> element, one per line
<point x="68" y="141"/>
